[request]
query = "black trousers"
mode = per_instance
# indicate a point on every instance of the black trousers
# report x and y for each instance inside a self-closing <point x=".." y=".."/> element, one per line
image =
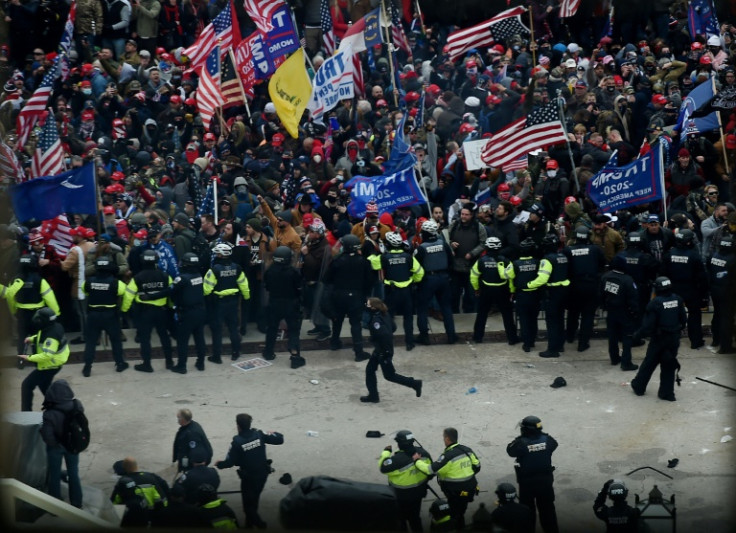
<point x="288" y="310"/>
<point x="99" y="320"/>
<point x="434" y="285"/>
<point x="539" y="495"/>
<point x="190" y="323"/>
<point x="694" y="313"/>
<point x="722" y="322"/>
<point x="152" y="317"/>
<point x="251" y="487"/>
<point x="582" y="303"/>
<point x="389" y="373"/>
<point x="253" y="308"/>
<point x="620" y="328"/>
<point x="527" y="309"/>
<point x="662" y="351"/>
<point x="554" y="306"/>
<point x="37" y="378"/>
<point x="458" y="504"/>
<point x="348" y="304"/>
<point x="399" y="302"/>
<point x="226" y="312"/>
<point x="409" y="512"/>
<point x="501" y="298"/>
<point x="461" y="289"/>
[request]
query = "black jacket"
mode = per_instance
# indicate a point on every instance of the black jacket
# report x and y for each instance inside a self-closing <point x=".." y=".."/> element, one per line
<point x="59" y="401"/>
<point x="187" y="438"/>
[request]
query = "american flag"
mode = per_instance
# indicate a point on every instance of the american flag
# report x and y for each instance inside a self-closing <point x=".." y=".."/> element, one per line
<point x="220" y="32"/>
<point x="56" y="233"/>
<point x="48" y="159"/>
<point x="261" y="11"/>
<point x="328" y="34"/>
<point x="517" y="164"/>
<point x="209" y="97"/>
<point x="35" y="107"/>
<point x="66" y="41"/>
<point x="502" y="26"/>
<point x="397" y="31"/>
<point x="10" y="167"/>
<point x="568" y="8"/>
<point x="358" y="76"/>
<point x="541" y="128"/>
<point x="207" y="207"/>
<point x="232" y="91"/>
<point x="419" y="119"/>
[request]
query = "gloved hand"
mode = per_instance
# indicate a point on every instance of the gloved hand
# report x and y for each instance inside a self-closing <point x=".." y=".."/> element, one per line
<point x="388" y="448"/>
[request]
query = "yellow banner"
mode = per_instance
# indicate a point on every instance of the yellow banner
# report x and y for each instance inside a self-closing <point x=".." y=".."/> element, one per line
<point x="290" y="89"/>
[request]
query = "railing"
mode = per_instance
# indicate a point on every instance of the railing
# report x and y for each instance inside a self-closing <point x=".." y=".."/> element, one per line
<point x="12" y="490"/>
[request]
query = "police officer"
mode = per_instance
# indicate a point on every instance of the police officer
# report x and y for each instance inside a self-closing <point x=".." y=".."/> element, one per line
<point x="187" y="294"/>
<point x="382" y="328"/>
<point x="103" y="290"/>
<point x="620" y="299"/>
<point x="224" y="280"/>
<point x="663" y="319"/>
<point x="521" y="273"/>
<point x="722" y="281"/>
<point x="684" y="266"/>
<point x="142" y="493"/>
<point x="248" y="453"/>
<point x="284" y="286"/>
<point x="641" y="266"/>
<point x="455" y="468"/>
<point x="400" y="272"/>
<point x="555" y="295"/>
<point x="408" y="482"/>
<point x="197" y="475"/>
<point x="349" y="278"/>
<point x="215" y="511"/>
<point x="145" y="289"/>
<point x="441" y="520"/>
<point x="620" y="517"/>
<point x="487" y="279"/>
<point x="51" y="351"/>
<point x="586" y="264"/>
<point x="436" y="257"/>
<point x="511" y="515"/>
<point x="533" y="451"/>
<point x="28" y="293"/>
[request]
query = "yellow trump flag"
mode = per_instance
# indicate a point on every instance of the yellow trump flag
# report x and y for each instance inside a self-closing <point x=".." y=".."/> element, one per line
<point x="290" y="89"/>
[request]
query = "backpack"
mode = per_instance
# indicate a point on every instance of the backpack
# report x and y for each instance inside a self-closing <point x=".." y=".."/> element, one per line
<point x="76" y="434"/>
<point x="201" y="248"/>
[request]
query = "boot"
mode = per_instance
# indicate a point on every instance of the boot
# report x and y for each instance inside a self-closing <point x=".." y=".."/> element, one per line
<point x="199" y="365"/>
<point x="213" y="359"/>
<point x="144" y="367"/>
<point x="369" y="399"/>
<point x="361" y="356"/>
<point x="179" y="369"/>
<point x="418" y="387"/>
<point x="423" y="338"/>
<point x="297" y="361"/>
<point x="87" y="371"/>
<point x="169" y="363"/>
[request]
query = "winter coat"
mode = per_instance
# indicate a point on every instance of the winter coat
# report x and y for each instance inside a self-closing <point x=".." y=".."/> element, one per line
<point x="59" y="401"/>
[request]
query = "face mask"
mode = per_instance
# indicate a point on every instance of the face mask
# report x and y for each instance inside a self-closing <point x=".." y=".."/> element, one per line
<point x="332" y="199"/>
<point x="551" y="173"/>
<point x="472" y="71"/>
<point x="611" y="88"/>
<point x="240" y="189"/>
<point x="317" y="158"/>
<point x="136" y="242"/>
<point x="86" y="92"/>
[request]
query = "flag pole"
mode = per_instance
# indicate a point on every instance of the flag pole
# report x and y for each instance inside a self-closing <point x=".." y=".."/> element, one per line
<point x="532" y="43"/>
<point x="214" y="196"/>
<point x="567" y="139"/>
<point x="720" y="129"/>
<point x="240" y="82"/>
<point x="296" y="27"/>
<point x="661" y="178"/>
<point x="420" y="181"/>
<point x="421" y="18"/>
<point x="390" y="43"/>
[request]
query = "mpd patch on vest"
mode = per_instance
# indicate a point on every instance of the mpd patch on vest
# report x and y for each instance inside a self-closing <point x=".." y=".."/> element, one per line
<point x="377" y="325"/>
<point x="48" y="343"/>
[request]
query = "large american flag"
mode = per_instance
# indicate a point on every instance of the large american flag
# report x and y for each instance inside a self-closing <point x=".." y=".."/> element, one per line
<point x="66" y="40"/>
<point x="541" y="128"/>
<point x="232" y="91"/>
<point x="48" y="159"/>
<point x="207" y="207"/>
<point x="35" y="107"/>
<point x="397" y="31"/>
<point x="220" y="32"/>
<point x="502" y="26"/>
<point x="209" y="96"/>
<point x="10" y="167"/>
<point x="328" y="33"/>
<point x="261" y="11"/>
<point x="568" y="8"/>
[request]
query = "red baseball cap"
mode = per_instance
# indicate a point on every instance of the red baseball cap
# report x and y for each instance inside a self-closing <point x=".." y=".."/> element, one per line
<point x="277" y="139"/>
<point x="659" y="99"/>
<point x="108" y="210"/>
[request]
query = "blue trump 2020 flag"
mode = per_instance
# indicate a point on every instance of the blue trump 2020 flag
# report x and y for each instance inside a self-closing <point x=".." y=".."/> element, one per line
<point x="639" y="182"/>
<point x="49" y="196"/>
<point x="698" y="97"/>
<point x="389" y="192"/>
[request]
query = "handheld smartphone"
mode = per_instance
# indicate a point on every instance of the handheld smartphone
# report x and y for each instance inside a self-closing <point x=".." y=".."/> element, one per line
<point x="334" y="124"/>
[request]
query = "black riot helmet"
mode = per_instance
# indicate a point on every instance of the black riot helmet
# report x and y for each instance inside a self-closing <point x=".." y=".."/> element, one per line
<point x="149" y="259"/>
<point x="617" y="491"/>
<point x="662" y="285"/>
<point x="405" y="439"/>
<point x="29" y="263"/>
<point x="350" y="243"/>
<point x="439" y="509"/>
<point x="506" y="493"/>
<point x="43" y="317"/>
<point x="531" y="425"/>
<point x="105" y="264"/>
<point x="528" y="246"/>
<point x="726" y="244"/>
<point x="634" y="240"/>
<point x="190" y="260"/>
<point x="551" y="243"/>
<point x="685" y="238"/>
<point x="582" y="234"/>
<point x="282" y="255"/>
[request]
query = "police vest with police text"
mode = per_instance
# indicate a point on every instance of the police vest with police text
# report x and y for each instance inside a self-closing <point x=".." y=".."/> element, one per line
<point x="435" y="258"/>
<point x="488" y="268"/>
<point x="30" y="293"/>
<point x="525" y="271"/>
<point x="397" y="266"/>
<point x="102" y="291"/>
<point x="560" y="268"/>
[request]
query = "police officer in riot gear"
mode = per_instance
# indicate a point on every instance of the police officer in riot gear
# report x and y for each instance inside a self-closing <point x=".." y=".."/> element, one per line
<point x="555" y="295"/>
<point x="400" y="272"/>
<point x="510" y="515"/>
<point x="533" y="451"/>
<point x="620" y="299"/>
<point x="198" y="474"/>
<point x="586" y="264"/>
<point x="408" y="482"/>
<point x="620" y="517"/>
<point x="436" y="257"/>
<point x="487" y="278"/>
<point x="641" y="266"/>
<point x="683" y="265"/>
<point x="455" y="468"/>
<point x="187" y="294"/>
<point x="349" y="279"/>
<point x="224" y="280"/>
<point x="103" y="290"/>
<point x="284" y="286"/>
<point x="248" y="453"/>
<point x="382" y="327"/>
<point x="722" y="281"/>
<point x="151" y="308"/>
<point x="663" y="319"/>
<point x="522" y="273"/>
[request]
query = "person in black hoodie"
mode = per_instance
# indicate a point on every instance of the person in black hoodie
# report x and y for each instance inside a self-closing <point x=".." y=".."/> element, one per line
<point x="58" y="403"/>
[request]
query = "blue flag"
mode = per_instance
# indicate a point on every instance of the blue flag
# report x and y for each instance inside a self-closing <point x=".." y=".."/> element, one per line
<point x="702" y="124"/>
<point x="283" y="38"/>
<point x="208" y="203"/>
<point x="697" y="98"/>
<point x="390" y="192"/>
<point x="701" y="18"/>
<point x="49" y="196"/>
<point x="401" y="155"/>
<point x="639" y="182"/>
